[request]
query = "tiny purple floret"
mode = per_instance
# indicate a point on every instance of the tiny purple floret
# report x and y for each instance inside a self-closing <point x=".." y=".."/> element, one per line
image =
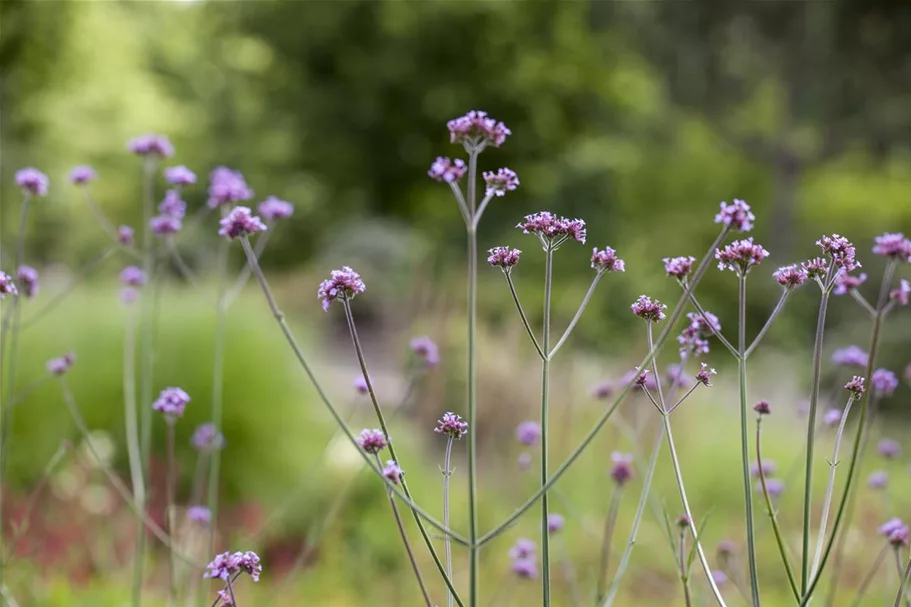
<point x="652" y="311"/>
<point x="28" y="280"/>
<point x="452" y="425"/>
<point x="227" y="186"/>
<point x="679" y="267"/>
<point x="207" y="438"/>
<point x="884" y="382"/>
<point x="504" y="180"/>
<point x="606" y="260"/>
<point x="371" y="441"/>
<point x="504" y="258"/>
<point x="447" y="170"/>
<point x="341" y="285"/>
<point x="740" y="256"/>
<point x="171" y="402"/>
<point x="133" y="276"/>
<point x="240" y="222"/>
<point x="424" y="348"/>
<point x="59" y="366"/>
<point x="476" y="129"/>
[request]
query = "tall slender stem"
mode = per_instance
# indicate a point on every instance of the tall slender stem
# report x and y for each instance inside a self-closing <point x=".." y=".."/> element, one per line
<point x="129" y="409"/>
<point x="744" y="436"/>
<point x="811" y="440"/>
<point x="903" y="576"/>
<point x="474" y="571"/>
<point x="684" y="574"/>
<point x="575" y="320"/>
<point x="715" y="330"/>
<point x="447" y="543"/>
<point x="610" y="523"/>
<point x="545" y="390"/>
<point x="169" y="513"/>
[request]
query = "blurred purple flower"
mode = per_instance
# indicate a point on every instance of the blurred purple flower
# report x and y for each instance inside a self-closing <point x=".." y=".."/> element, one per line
<point x="476" y="129"/>
<point x="884" y="382"/>
<point x="504" y="180"/>
<point x="133" y="276"/>
<point x="645" y="308"/>
<point x="151" y="145"/>
<point x="555" y="523"/>
<point x="125" y="236"/>
<point x="524" y="460"/>
<point x="890" y="526"/>
<point x="523" y="549"/>
<point x="719" y="577"/>
<point x="32" y="181"/>
<point x="227" y="186"/>
<point x="171" y="402"/>
<point x="447" y="170"/>
<point x="607" y="261"/>
<point x="371" y="441"/>
<point x="423" y="347"/>
<point x="840" y="251"/>
<point x="893" y="245"/>
<point x="603" y="389"/>
<point x="525" y="568"/>
<point x="676" y="376"/>
<point x="199" y="514"/>
<point x="82" y="174"/>
<point x="165" y="225"/>
<point x="832" y="417"/>
<point x="207" y="438"/>
<point x="273" y="208"/>
<point x="737" y="215"/>
<point x="28" y="280"/>
<point x="179" y="176"/>
<point x="393" y="472"/>
<point x="622" y="468"/>
<point x="679" y="267"/>
<point x="889" y="449"/>
<point x="740" y="256"/>
<point x="762" y="408"/>
<point x="528" y="433"/>
<point x="852" y="356"/>
<point x="128" y="295"/>
<point x="240" y="222"/>
<point x="342" y="284"/>
<point x="845" y="283"/>
<point x="899" y="537"/>
<point x="878" y="480"/>
<point x="774" y="486"/>
<point x="59" y="366"/>
<point x="172" y="205"/>
<point x="360" y="384"/>
<point x="900" y="294"/>
<point x="7" y="285"/>
<point x="769" y="467"/>
<point x="452" y="425"/>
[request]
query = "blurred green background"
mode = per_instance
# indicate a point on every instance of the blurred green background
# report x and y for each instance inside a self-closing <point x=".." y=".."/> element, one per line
<point x="636" y="116"/>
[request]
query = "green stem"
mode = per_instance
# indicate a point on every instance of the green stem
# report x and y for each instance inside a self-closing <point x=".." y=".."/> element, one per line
<point x="684" y="576"/>
<point x="169" y="513"/>
<point x="474" y="571"/>
<point x="515" y="298"/>
<point x="903" y="575"/>
<point x="609" y="524"/>
<point x="129" y="409"/>
<point x="447" y="543"/>
<point x="218" y="371"/>
<point x="575" y="320"/>
<point x="744" y="437"/>
<point x="545" y="389"/>
<point x="768" y="324"/>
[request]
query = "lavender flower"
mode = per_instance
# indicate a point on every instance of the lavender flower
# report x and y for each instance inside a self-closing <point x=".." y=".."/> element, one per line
<point x="207" y="438"/>
<point x="227" y="186"/>
<point x="372" y="441"/>
<point x="622" y="469"/>
<point x="774" y="486"/>
<point x="890" y="527"/>
<point x="200" y="515"/>
<point x="128" y="295"/>
<point x="676" y="376"/>
<point x="884" y="382"/>
<point x="719" y="577"/>
<point x="900" y="294"/>
<point x="679" y="267"/>
<point x="447" y="169"/>
<point x="360" y="384"/>
<point x="28" y="280"/>
<point x="423" y="347"/>
<point x="769" y="467"/>
<point x="791" y="276"/>
<point x="342" y="285"/>
<point x="452" y="425"/>
<point x="172" y="205"/>
<point x="125" y="236"/>
<point x="762" y="408"/>
<point x="607" y="261"/>
<point x="393" y="472"/>
<point x="645" y="308"/>
<point x="523" y="549"/>
<point x="504" y="180"/>
<point x="845" y="283"/>
<point x="226" y="565"/>
<point x="553" y="230"/>
<point x="273" y="208"/>
<point x="694" y="338"/>
<point x="151" y="145"/>
<point x="639" y="379"/>
<point x="240" y="222"/>
<point x="165" y="225"/>
<point x="528" y="433"/>
<point x="740" y="256"/>
<point x="179" y="176"/>
<point x="603" y="389"/>
<point x="889" y="449"/>
<point x="525" y="568"/>
<point x="133" y="276"/>
<point x="82" y="174"/>
<point x="852" y="356"/>
<point x="476" y="129"/>
<point x="832" y="418"/>
<point x="899" y="537"/>
<point x="59" y="366"/>
<point x="171" y="402"/>
<point x="893" y="245"/>
<point x="683" y="521"/>
<point x="816" y="267"/>
<point x="840" y="251"/>
<point x="878" y="480"/>
<point x="7" y="285"/>
<point x="856" y="385"/>
<point x="32" y="181"/>
<point x="555" y="523"/>
<point x="643" y="379"/>
<point x="737" y="215"/>
<point x="705" y="375"/>
<point x="504" y="258"/>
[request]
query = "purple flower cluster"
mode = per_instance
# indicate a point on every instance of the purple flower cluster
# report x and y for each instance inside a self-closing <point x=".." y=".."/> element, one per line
<point x="424" y="348"/>
<point x="555" y="523"/>
<point x="769" y="467"/>
<point x="888" y="448"/>
<point x="856" y="385"/>
<point x="199" y="514"/>
<point x="476" y="129"/>
<point x="840" y="251"/>
<point x="774" y="486"/>
<point x="452" y="425"/>
<point x="165" y="225"/>
<point x="832" y="417"/>
<point x="33" y="181"/>
<point x="447" y="170"/>
<point x="504" y="258"/>
<point x="342" y="284"/>
<point x="705" y="375"/>
<point x="884" y="382"/>
<point x="172" y="211"/>
<point x="900" y="294"/>
<point x="640" y="379"/>
<point x="816" y="267"/>
<point x="133" y="276"/>
<point x="125" y="236"/>
<point x="878" y="480"/>
<point x="845" y="283"/>
<point x="528" y="433"/>
<point x="603" y="389"/>
<point x="273" y="208"/>
<point x="606" y="260"/>
<point x="893" y="245"/>
<point x="226" y="565"/>
<point x="227" y="186"/>
<point x="740" y="256"/>
<point x="694" y="339"/>
<point x="737" y="215"/>
<point x="504" y="180"/>
<point x="895" y="531"/>
<point x="171" y="402"/>
<point x="28" y="280"/>
<point x="679" y="267"/>
<point x="7" y="285"/>
<point x="62" y="364"/>
<point x="82" y="174"/>
<point x="393" y="472"/>
<point x="179" y="176"/>
<point x="207" y="438"/>
<point x="852" y="356"/>
<point x="645" y="308"/>
<point x="676" y="376"/>
<point x="240" y="222"/>
<point x="622" y="469"/>
<point x="762" y="408"/>
<point x="371" y="441"/>
<point x="151" y="145"/>
<point x="791" y="276"/>
<point x="524" y="558"/>
<point x="553" y="230"/>
<point x="360" y="384"/>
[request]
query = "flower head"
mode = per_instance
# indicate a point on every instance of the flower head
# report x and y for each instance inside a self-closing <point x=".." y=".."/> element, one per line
<point x="528" y="433"/>
<point x="199" y="514"/>
<point x="676" y="376"/>
<point x="679" y="267"/>
<point x="893" y="245"/>
<point x="719" y="577"/>
<point x="884" y="382"/>
<point x="503" y="257"/>
<point x="740" y="256"/>
<point x="240" y="222"/>
<point x="705" y="375"/>
<point x="452" y="425"/>
<point x="165" y="225"/>
<point x="33" y="181"/>
<point x="725" y="549"/>
<point x="172" y="205"/>
<point x="899" y="537"/>
<point x="816" y="267"/>
<point x="342" y="284"/>
<point x="845" y="283"/>
<point x="425" y="349"/>
<point x="900" y="295"/>
<point x="607" y="261"/>
<point x="553" y="230"/>
<point x="360" y="384"/>
<point x="622" y="469"/>
<point x="889" y="448"/>
<point x="28" y="280"/>
<point x="645" y="308"/>
<point x="171" y="402"/>
<point x="525" y="568"/>
<point x="852" y="356"/>
<point x="151" y="145"/>
<point x="179" y="176"/>
<point x="59" y="366"/>
<point x="393" y="472"/>
<point x="226" y="565"/>
<point x="504" y="180"/>
<point x="774" y="486"/>
<point x="640" y="379"/>
<point x="737" y="215"/>
<point x="372" y="441"/>
<point x="878" y="480"/>
<point x="694" y="338"/>
<point x="523" y="549"/>
<point x="7" y="285"/>
<point x="125" y="236"/>
<point x="82" y="174"/>
<point x="890" y="526"/>
<point x="273" y="208"/>
<point x="791" y="276"/>
<point x="133" y="276"/>
<point x="840" y="251"/>
<point x="555" y="522"/>
<point x="762" y="408"/>
<point x="207" y="438"/>
<point x="227" y="186"/>
<point x="476" y="129"/>
<point x="769" y="467"/>
<point x="832" y="417"/>
<point x="447" y="170"/>
<point x="603" y="389"/>
<point x="856" y="386"/>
